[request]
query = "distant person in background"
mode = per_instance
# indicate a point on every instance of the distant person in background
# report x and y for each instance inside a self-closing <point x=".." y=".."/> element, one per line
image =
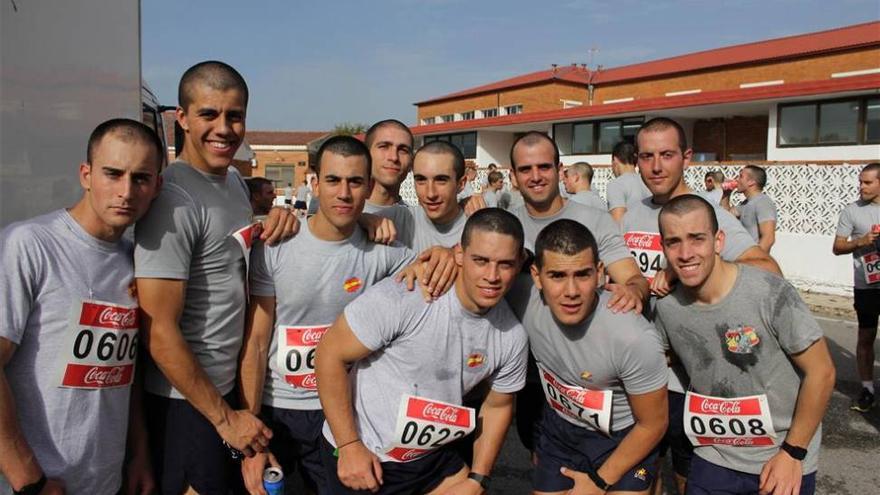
<point x="288" y="194"/>
<point x="494" y="190"/>
<point x="511" y="200"/>
<point x="302" y="197"/>
<point x="262" y="193"/>
<point x="578" y="179"/>
<point x="484" y="183"/>
<point x="858" y="232"/>
<point x="626" y="187"/>
<point x="713" y="192"/>
<point x="758" y="212"/>
<point x="470" y="174"/>
<point x="313" y="199"/>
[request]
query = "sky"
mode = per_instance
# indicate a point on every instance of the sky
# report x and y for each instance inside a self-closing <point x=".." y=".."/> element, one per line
<point x="313" y="65"/>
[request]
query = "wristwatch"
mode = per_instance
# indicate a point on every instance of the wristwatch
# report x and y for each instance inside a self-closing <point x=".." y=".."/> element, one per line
<point x="482" y="479"/>
<point x="598" y="480"/>
<point x="34" y="488"/>
<point x="796" y="453"/>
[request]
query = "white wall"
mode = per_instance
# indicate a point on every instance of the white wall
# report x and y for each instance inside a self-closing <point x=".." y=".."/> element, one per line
<point x="604" y="159"/>
<point x="494" y="147"/>
<point x="807" y="261"/>
<point x="815" y="153"/>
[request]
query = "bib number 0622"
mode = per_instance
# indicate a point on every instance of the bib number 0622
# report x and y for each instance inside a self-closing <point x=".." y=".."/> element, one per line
<point x="428" y="435"/>
<point x="735" y="426"/>
<point x="107" y="347"/>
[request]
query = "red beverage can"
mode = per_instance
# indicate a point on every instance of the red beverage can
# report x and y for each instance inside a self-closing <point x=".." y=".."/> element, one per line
<point x="728" y="185"/>
<point x="875" y="228"/>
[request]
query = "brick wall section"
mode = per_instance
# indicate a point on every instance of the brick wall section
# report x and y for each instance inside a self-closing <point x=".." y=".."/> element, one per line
<point x="733" y="136"/>
<point x="536" y="98"/>
<point x="283" y="158"/>
<point x="803" y="69"/>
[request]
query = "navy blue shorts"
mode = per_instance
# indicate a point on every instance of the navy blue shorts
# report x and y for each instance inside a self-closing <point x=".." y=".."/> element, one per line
<point x="415" y="477"/>
<point x="563" y="444"/>
<point x="675" y="439"/>
<point x="186" y="449"/>
<point x="300" y="205"/>
<point x="296" y="443"/>
<point x="867" y="305"/>
<point x="707" y="478"/>
<point x="529" y="404"/>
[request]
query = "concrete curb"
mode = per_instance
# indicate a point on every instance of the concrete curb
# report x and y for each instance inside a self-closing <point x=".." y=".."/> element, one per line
<point x="830" y="305"/>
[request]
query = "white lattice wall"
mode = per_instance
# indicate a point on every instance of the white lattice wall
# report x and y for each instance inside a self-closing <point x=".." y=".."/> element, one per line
<point x="808" y="197"/>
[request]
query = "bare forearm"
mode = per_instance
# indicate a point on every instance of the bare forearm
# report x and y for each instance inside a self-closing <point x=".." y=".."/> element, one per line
<point x="255" y="352"/>
<point x="764" y="262"/>
<point x="138" y="444"/>
<point x="494" y="422"/>
<point x="766" y="243"/>
<point x="335" y="396"/>
<point x="172" y="355"/>
<point x="640" y="284"/>
<point x="17" y="461"/>
<point x="634" y="447"/>
<point x="812" y="402"/>
<point x="843" y="246"/>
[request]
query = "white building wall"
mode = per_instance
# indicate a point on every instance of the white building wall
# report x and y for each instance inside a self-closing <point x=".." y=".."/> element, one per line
<point x="814" y="153"/>
<point x="808" y="263"/>
<point x="494" y="147"/>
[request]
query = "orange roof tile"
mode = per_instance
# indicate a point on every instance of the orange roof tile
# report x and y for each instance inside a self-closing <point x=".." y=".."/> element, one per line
<point x="283" y="138"/>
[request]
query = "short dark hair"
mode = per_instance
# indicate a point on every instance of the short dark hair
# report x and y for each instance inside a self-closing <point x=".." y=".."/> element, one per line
<point x="625" y="152"/>
<point x="493" y="220"/>
<point x="344" y="146"/>
<point x="445" y="148"/>
<point x="716" y="175"/>
<point x="565" y="237"/>
<point x="583" y="169"/>
<point x="532" y="138"/>
<point x="494" y="177"/>
<point x="872" y="167"/>
<point x="127" y="130"/>
<point x="215" y="74"/>
<point x="757" y="173"/>
<point x="686" y="203"/>
<point x="255" y="185"/>
<point x="370" y="136"/>
<point x="661" y="124"/>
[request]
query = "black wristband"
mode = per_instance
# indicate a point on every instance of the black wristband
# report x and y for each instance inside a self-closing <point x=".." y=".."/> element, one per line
<point x="482" y="479"/>
<point x="599" y="482"/>
<point x="34" y="488"/>
<point x="796" y="453"/>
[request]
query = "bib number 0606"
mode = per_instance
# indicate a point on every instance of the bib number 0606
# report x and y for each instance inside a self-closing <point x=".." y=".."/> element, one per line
<point x="107" y="347"/>
<point x="423" y="437"/>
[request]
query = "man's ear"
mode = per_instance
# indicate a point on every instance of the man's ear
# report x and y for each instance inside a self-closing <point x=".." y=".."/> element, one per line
<point x="459" y="255"/>
<point x="533" y="270"/>
<point x="85" y="176"/>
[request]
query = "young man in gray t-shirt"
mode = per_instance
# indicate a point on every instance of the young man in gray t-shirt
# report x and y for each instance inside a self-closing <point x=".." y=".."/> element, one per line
<point x="626" y="187"/>
<point x="758" y="212"/>
<point x="390" y="419"/>
<point x="858" y="232"/>
<point x="297" y="289"/>
<point x="69" y="329"/>
<point x="603" y="374"/>
<point x="761" y="374"/>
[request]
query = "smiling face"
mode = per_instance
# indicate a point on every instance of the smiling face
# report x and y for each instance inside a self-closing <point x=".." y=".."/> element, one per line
<point x="690" y="247"/>
<point x="121" y="181"/>
<point x="487" y="269"/>
<point x="536" y="173"/>
<point x="214" y="127"/>
<point x="568" y="284"/>
<point x="662" y="163"/>
<point x="436" y="186"/>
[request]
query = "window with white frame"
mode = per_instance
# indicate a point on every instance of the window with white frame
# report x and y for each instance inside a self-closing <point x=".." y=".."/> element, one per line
<point x="513" y="109"/>
<point x="448" y="117"/>
<point x="429" y="120"/>
<point x="489" y="113"/>
<point x="467" y="115"/>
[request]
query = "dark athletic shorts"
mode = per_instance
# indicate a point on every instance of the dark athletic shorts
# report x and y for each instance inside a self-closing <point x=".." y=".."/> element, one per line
<point x="300" y="205"/>
<point x="563" y="444"/>
<point x="867" y="305"/>
<point x="415" y="477"/>
<point x="529" y="404"/>
<point x="675" y="439"/>
<point x="296" y="443"/>
<point x="710" y="479"/>
<point x="186" y="449"/>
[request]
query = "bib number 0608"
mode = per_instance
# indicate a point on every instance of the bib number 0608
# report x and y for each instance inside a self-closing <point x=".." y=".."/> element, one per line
<point x="718" y="426"/>
<point x="423" y="437"/>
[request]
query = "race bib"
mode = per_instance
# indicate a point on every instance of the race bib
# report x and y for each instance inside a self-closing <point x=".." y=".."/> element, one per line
<point x="646" y="249"/>
<point x="739" y="422"/>
<point x="100" y="349"/>
<point x="871" y="267"/>
<point x="577" y="405"/>
<point x="295" y="358"/>
<point x="424" y="425"/>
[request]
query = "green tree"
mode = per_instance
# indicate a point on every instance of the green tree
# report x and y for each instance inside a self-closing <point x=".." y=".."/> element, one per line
<point x="349" y="129"/>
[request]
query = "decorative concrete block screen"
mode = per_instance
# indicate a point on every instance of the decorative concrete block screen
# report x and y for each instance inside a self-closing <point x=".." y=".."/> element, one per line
<point x="809" y="197"/>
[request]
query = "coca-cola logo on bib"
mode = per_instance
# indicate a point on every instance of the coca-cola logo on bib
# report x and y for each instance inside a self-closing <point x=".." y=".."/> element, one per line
<point x="410" y="455"/>
<point x="643" y="240"/>
<point x="102" y="377"/>
<point x="312" y="336"/>
<point x="717" y="407"/>
<point x="310" y="381"/>
<point x="445" y="414"/>
<point x="118" y="317"/>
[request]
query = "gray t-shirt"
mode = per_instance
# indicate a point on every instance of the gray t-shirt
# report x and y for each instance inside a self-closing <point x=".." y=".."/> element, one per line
<point x="511" y="200"/>
<point x="400" y="214"/>
<point x="600" y="223"/>
<point x="65" y="292"/>
<point x="437" y="351"/>
<point x="312" y="280"/>
<point x="617" y="352"/>
<point x="589" y="198"/>
<point x="188" y="235"/>
<point x="493" y="198"/>
<point x="714" y="196"/>
<point x="739" y="347"/>
<point x="855" y="221"/>
<point x="626" y="189"/>
<point x="756" y="210"/>
<point x="302" y="193"/>
<point x="426" y="233"/>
